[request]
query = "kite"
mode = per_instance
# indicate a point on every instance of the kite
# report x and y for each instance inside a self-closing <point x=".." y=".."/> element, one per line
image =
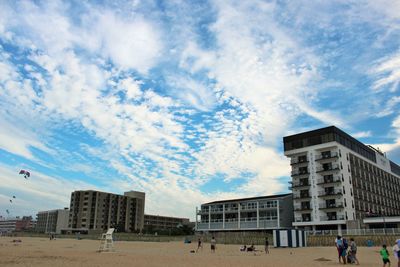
<point x="8" y="212"/>
<point x="13" y="196"/>
<point x="25" y="173"/>
<point x="10" y="200"/>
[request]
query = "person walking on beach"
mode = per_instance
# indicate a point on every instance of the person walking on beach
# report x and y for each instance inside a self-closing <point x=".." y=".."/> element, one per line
<point x="199" y="245"/>
<point x="213" y="244"/>
<point x="385" y="256"/>
<point x="353" y="251"/>
<point x="266" y="246"/>
<point x="339" y="244"/>
<point x="396" y="252"/>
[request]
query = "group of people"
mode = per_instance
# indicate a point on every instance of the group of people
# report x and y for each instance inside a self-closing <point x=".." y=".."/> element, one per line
<point x="385" y="254"/>
<point x="213" y="243"/>
<point x="347" y="253"/>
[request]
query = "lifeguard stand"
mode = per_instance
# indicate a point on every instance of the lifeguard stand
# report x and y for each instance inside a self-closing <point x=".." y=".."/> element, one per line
<point x="107" y="242"/>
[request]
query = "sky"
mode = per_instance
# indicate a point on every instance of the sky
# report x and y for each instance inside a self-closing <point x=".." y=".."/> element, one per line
<point x="187" y="101"/>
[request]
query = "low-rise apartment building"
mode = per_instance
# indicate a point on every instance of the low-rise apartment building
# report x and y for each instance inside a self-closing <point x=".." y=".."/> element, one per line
<point x="157" y="222"/>
<point x="52" y="221"/>
<point x="246" y="214"/>
<point x="16" y="224"/>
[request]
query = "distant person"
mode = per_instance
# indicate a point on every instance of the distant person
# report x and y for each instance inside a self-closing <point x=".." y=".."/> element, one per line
<point x="338" y="245"/>
<point x="353" y="251"/>
<point x="266" y="246"/>
<point x="199" y="245"/>
<point x="385" y="256"/>
<point x="396" y="252"/>
<point x="213" y="244"/>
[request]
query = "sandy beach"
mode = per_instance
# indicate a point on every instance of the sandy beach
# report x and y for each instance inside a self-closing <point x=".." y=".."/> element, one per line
<point x="72" y="252"/>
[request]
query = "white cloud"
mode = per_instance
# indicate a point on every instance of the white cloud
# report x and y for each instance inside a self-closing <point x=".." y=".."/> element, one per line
<point x="362" y="134"/>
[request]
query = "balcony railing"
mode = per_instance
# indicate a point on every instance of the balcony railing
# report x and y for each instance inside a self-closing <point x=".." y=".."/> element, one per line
<point x="300" y="173"/>
<point x="306" y="219"/>
<point x="334" y="179"/>
<point x="332" y="218"/>
<point x="327" y="156"/>
<point x="330" y="192"/>
<point x="300" y="196"/>
<point x="336" y="205"/>
<point x="302" y="207"/>
<point x="300" y="184"/>
<point x="333" y="167"/>
<point x="297" y="161"/>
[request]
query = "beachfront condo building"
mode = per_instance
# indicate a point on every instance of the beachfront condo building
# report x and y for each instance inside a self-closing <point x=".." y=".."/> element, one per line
<point x="157" y="222"/>
<point x="246" y="214"/>
<point x="16" y="224"/>
<point x="94" y="210"/>
<point x="52" y="221"/>
<point x="337" y="180"/>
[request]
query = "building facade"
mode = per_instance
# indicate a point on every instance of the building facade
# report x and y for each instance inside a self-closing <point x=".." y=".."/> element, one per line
<point x="16" y="224"/>
<point x="156" y="222"/>
<point x="94" y="210"/>
<point x="246" y="214"/>
<point x="52" y="221"/>
<point x="337" y="180"/>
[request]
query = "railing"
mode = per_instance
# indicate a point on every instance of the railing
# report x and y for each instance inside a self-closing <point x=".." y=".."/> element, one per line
<point x="308" y="219"/>
<point x="231" y="209"/>
<point x="300" y="184"/>
<point x="336" y="205"/>
<point x="297" y="161"/>
<point x="352" y="232"/>
<point x="334" y="179"/>
<point x="330" y="192"/>
<point x="245" y="224"/>
<point x="298" y="173"/>
<point x="267" y="206"/>
<point x="301" y="208"/>
<point x="327" y="156"/>
<point x="300" y="196"/>
<point x="333" y="167"/>
<point x="248" y="208"/>
<point x="332" y="218"/>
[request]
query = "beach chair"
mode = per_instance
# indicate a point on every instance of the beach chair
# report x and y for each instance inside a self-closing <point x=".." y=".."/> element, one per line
<point x="107" y="242"/>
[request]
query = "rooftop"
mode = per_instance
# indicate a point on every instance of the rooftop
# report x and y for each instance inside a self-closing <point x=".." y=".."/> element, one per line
<point x="250" y="198"/>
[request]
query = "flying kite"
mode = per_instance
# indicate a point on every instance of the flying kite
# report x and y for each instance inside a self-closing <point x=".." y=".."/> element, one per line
<point x="8" y="212"/>
<point x="25" y="173"/>
<point x="10" y="200"/>
<point x="13" y="196"/>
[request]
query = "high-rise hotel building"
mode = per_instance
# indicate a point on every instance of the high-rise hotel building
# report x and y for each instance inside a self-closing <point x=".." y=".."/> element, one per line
<point x="337" y="180"/>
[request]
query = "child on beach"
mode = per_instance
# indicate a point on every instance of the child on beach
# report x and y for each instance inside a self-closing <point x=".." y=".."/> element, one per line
<point x="199" y="245"/>
<point x="385" y="256"/>
<point x="213" y="244"/>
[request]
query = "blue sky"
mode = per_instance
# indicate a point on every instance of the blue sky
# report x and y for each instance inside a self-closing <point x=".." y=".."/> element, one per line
<point x="187" y="101"/>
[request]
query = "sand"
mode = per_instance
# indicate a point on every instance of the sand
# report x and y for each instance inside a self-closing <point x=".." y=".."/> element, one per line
<point x="72" y="252"/>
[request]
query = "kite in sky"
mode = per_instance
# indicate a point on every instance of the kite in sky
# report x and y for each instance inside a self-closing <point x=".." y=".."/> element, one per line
<point x="25" y="173"/>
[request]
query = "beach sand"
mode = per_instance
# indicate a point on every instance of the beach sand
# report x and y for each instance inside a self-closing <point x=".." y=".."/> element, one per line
<point x="72" y="252"/>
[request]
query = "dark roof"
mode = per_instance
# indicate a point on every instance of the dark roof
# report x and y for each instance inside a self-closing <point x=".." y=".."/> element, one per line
<point x="249" y="198"/>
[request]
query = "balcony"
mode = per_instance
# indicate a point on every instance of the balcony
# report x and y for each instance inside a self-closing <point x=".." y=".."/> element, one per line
<point x="332" y="218"/>
<point x="301" y="196"/>
<point x="300" y="173"/>
<point x="332" y="168"/>
<point x="329" y="180"/>
<point x="330" y="193"/>
<point x="231" y="210"/>
<point x="337" y="205"/>
<point x="305" y="219"/>
<point x="332" y="155"/>
<point x="296" y="161"/>
<point x="217" y="210"/>
<point x="300" y="184"/>
<point x="302" y="208"/>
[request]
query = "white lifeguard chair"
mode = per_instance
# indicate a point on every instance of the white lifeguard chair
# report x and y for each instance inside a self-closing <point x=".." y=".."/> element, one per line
<point x="107" y="242"/>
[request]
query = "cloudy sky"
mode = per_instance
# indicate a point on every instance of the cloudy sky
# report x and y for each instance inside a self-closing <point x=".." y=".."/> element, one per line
<point x="187" y="101"/>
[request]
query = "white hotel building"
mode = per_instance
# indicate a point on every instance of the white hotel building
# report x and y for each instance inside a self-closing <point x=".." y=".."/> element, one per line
<point x="246" y="214"/>
<point x="337" y="180"/>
